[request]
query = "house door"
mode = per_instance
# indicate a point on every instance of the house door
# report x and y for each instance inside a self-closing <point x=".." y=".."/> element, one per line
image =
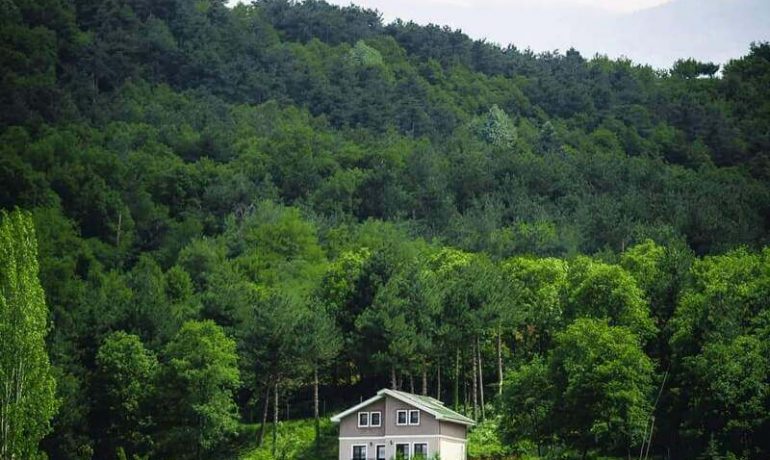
<point x="380" y="453"/>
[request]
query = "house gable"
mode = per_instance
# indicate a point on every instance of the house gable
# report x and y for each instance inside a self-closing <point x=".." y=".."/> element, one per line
<point x="427" y="404"/>
<point x="349" y="426"/>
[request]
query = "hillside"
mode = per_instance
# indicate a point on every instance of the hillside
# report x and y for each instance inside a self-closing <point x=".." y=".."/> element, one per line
<point x="232" y="206"/>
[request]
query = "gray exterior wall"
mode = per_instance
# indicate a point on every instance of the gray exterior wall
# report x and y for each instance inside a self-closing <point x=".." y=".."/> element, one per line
<point x="349" y="425"/>
<point x="428" y="423"/>
<point x="454" y="430"/>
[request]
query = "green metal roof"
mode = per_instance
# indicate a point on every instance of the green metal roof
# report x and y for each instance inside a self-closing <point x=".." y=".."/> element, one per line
<point x="431" y="405"/>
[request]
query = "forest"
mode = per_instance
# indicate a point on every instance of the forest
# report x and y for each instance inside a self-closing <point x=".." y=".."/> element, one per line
<point x="217" y="219"/>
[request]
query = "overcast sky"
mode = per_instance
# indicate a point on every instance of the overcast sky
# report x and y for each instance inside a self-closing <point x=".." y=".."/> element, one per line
<point x="654" y="32"/>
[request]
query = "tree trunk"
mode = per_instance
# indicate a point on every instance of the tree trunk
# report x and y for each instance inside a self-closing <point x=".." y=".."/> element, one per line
<point x="393" y="383"/>
<point x="411" y="383"/>
<point x="424" y="380"/>
<point x="120" y="224"/>
<point x="474" y="385"/>
<point x="499" y="362"/>
<point x="438" y="381"/>
<point x="315" y="411"/>
<point x="466" y="397"/>
<point x="481" y="377"/>
<point x="261" y="437"/>
<point x="276" y="408"/>
<point x="456" y="391"/>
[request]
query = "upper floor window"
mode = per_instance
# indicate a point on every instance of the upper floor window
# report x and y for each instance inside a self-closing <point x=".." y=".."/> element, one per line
<point x="414" y="417"/>
<point x="375" y="419"/>
<point x="402" y="417"/>
<point x="363" y="419"/>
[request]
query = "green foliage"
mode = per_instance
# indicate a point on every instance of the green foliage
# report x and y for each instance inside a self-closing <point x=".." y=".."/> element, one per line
<point x="126" y="373"/>
<point x="196" y="394"/>
<point x="607" y="291"/>
<point x="296" y="441"/>
<point x="719" y="340"/>
<point x="363" y="55"/>
<point x="528" y="405"/>
<point x="27" y="399"/>
<point x="496" y="128"/>
<point x="690" y="68"/>
<point x="484" y="441"/>
<point x="288" y="189"/>
<point x="603" y="382"/>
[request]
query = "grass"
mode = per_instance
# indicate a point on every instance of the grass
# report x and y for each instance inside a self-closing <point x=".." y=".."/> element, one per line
<point x="295" y="441"/>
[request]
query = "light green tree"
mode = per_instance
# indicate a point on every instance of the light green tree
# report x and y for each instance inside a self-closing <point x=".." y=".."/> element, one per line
<point x="497" y="128"/>
<point x="600" y="290"/>
<point x="27" y="386"/>
<point x="364" y="55"/>
<point x="602" y="386"/>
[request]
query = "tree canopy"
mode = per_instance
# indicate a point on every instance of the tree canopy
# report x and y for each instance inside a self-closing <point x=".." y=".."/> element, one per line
<point x="271" y="210"/>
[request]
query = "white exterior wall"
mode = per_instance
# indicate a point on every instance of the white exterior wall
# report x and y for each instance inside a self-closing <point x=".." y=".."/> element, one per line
<point x="452" y="449"/>
<point x="448" y="448"/>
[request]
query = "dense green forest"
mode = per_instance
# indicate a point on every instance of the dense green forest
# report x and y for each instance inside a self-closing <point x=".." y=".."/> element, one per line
<point x="236" y="209"/>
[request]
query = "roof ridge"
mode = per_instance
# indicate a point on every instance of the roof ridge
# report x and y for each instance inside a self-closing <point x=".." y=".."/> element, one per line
<point x="429" y="404"/>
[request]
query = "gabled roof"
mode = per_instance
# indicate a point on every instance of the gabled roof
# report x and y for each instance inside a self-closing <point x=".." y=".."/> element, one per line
<point x="430" y="405"/>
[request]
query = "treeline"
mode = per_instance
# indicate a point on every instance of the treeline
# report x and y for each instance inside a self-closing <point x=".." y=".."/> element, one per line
<point x="282" y="196"/>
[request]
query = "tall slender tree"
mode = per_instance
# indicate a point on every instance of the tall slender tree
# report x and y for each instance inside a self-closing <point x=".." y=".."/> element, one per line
<point x="27" y="386"/>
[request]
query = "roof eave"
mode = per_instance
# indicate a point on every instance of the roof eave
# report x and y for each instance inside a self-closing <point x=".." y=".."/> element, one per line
<point x="338" y="418"/>
<point x="459" y="422"/>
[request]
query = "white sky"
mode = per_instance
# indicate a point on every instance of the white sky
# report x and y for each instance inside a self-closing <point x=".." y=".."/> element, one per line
<point x="655" y="32"/>
<point x="608" y="5"/>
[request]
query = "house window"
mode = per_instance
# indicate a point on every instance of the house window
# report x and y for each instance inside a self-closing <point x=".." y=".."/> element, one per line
<point x="402" y="451"/>
<point x="375" y="419"/>
<point x="380" y="452"/>
<point x="414" y="417"/>
<point x="359" y="452"/>
<point x="420" y="450"/>
<point x="363" y="419"/>
<point x="401" y="417"/>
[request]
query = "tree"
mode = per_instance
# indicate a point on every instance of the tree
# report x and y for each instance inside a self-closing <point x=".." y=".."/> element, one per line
<point x="27" y="385"/>
<point x="496" y="128"/>
<point x="602" y="386"/>
<point x="320" y="344"/>
<point x="363" y="55"/>
<point x="527" y="404"/>
<point x="719" y="354"/>
<point x="733" y="383"/>
<point x="537" y="291"/>
<point x="400" y="323"/>
<point x="690" y="68"/>
<point x="600" y="290"/>
<point x="271" y="345"/>
<point x="198" y="378"/>
<point x="125" y="383"/>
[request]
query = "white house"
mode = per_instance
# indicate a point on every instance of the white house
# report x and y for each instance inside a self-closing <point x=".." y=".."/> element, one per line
<point x="394" y="424"/>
